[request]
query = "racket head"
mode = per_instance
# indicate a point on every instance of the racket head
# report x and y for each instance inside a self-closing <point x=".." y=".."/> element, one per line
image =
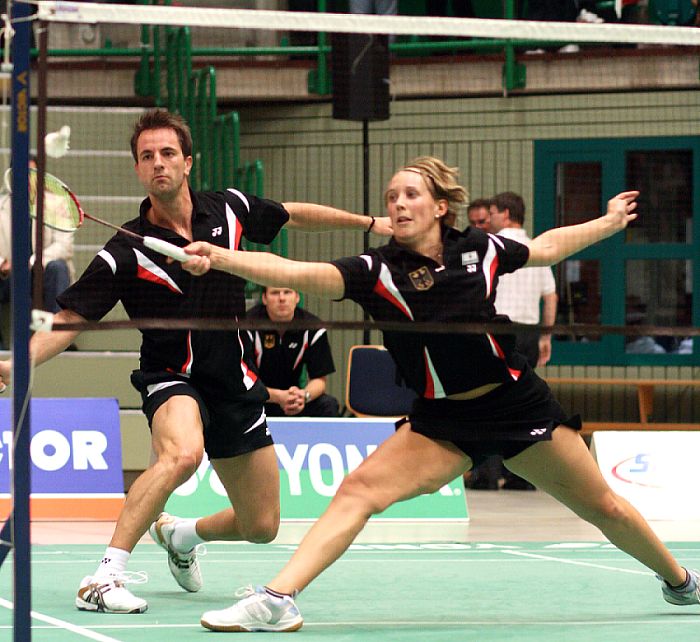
<point x="62" y="210"/>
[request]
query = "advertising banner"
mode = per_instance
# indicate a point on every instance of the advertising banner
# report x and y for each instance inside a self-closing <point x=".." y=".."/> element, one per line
<point x="314" y="455"/>
<point x="76" y="462"/>
<point x="657" y="472"/>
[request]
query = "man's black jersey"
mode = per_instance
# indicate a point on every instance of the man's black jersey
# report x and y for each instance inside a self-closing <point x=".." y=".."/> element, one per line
<point x="150" y="287"/>
<point x="281" y="359"/>
<point x="393" y="283"/>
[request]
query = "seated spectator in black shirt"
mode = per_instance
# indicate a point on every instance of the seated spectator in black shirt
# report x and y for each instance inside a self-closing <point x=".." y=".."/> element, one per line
<point x="281" y="357"/>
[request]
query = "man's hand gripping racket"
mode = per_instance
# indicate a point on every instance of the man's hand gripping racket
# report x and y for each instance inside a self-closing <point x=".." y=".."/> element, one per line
<point x="62" y="211"/>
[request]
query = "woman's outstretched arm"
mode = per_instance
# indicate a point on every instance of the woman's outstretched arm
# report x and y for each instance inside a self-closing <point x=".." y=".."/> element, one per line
<point x="555" y="245"/>
<point x="322" y="279"/>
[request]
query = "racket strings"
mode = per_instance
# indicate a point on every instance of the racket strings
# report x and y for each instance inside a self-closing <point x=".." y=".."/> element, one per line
<point x="61" y="210"/>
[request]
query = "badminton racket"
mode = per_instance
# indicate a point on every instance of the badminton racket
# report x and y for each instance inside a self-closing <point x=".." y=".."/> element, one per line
<point x="62" y="211"/>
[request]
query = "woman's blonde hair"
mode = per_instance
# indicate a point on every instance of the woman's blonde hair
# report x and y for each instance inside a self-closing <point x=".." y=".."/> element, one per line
<point x="441" y="181"/>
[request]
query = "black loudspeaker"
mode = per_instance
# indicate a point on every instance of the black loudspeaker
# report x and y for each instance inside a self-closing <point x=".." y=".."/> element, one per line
<point x="360" y="65"/>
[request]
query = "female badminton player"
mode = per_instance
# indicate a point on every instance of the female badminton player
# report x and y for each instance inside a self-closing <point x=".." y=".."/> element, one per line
<point x="477" y="396"/>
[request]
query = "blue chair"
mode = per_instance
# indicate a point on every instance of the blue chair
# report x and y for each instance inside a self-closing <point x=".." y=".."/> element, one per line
<point x="371" y="388"/>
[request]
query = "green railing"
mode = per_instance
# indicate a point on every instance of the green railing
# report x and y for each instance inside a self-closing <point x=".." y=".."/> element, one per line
<point x="319" y="79"/>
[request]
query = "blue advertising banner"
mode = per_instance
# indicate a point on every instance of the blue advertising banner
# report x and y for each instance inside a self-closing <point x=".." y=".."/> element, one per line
<point x="75" y="452"/>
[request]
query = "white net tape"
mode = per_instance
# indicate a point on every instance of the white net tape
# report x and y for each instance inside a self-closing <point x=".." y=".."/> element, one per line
<point x="92" y="13"/>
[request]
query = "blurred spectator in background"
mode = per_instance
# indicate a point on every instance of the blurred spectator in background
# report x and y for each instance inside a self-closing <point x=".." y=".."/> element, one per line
<point x="520" y="293"/>
<point x="281" y="355"/>
<point x="479" y="215"/>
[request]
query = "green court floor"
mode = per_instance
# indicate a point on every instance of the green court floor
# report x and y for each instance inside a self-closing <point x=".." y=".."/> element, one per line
<point x="404" y="592"/>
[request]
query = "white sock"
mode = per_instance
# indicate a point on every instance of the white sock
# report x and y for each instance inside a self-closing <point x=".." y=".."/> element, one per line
<point x="184" y="537"/>
<point x="113" y="562"/>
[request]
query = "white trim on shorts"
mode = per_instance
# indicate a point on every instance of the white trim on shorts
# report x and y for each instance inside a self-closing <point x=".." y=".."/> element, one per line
<point x="157" y="387"/>
<point x="260" y="420"/>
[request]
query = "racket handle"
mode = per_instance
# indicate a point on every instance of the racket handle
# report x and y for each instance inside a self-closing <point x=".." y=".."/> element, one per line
<point x="173" y="251"/>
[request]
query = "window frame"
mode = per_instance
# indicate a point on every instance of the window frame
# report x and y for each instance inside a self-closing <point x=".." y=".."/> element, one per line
<point x="610" y="152"/>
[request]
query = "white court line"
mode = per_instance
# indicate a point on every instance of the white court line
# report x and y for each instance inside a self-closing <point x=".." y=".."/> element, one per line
<point x="576" y="563"/>
<point x="92" y="635"/>
<point x="381" y="624"/>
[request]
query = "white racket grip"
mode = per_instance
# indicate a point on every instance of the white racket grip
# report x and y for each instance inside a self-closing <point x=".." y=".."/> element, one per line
<point x="42" y="321"/>
<point x="173" y="251"/>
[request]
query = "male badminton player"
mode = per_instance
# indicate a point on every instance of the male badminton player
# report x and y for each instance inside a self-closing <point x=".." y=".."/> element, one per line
<point x="199" y="391"/>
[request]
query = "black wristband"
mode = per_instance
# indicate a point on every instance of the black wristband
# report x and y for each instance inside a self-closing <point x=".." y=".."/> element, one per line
<point x="371" y="225"/>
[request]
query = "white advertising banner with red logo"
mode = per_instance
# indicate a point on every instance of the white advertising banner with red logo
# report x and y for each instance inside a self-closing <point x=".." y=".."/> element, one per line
<point x="657" y="472"/>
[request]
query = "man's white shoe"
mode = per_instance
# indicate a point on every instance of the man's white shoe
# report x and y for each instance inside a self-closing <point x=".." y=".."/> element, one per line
<point x="183" y="566"/>
<point x="108" y="594"/>
<point x="257" y="611"/>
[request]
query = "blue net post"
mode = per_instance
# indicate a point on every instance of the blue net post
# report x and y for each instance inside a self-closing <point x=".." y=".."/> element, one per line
<point x="21" y="303"/>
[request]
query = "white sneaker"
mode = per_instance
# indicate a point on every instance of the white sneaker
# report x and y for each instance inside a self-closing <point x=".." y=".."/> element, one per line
<point x="691" y="594"/>
<point x="183" y="566"/>
<point x="108" y="594"/>
<point x="589" y="17"/>
<point x="257" y="611"/>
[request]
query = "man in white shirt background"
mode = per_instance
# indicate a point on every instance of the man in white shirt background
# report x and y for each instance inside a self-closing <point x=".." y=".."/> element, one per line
<point x="519" y="295"/>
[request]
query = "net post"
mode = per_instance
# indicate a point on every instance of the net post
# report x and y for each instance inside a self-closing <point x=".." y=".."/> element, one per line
<point x="20" y="287"/>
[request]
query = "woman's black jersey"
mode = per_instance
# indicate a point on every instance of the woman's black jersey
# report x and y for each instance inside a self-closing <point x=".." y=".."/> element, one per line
<point x="392" y="283"/>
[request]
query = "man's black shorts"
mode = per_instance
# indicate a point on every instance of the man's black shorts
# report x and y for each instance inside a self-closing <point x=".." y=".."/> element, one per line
<point x="231" y="426"/>
<point x="503" y="422"/>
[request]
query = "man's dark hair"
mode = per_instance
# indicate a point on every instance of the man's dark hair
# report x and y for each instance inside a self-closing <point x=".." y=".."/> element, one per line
<point x="513" y="203"/>
<point x="162" y="119"/>
<point x="479" y="203"/>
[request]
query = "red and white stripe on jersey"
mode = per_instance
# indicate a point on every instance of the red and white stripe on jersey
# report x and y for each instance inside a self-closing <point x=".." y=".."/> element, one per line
<point x="235" y="229"/>
<point x="490" y="263"/>
<point x="433" y="385"/>
<point x="386" y="289"/>
<point x="149" y="271"/>
<point x="249" y="377"/>
<point x="108" y="259"/>
<point x="187" y="366"/>
<point x="302" y="349"/>
<point x="498" y="352"/>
